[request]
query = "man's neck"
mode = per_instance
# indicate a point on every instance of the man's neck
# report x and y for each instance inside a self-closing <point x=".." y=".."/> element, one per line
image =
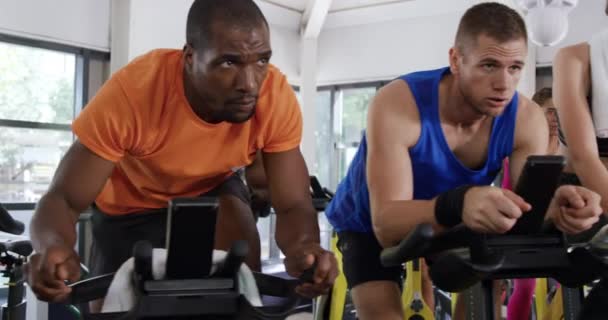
<point x="195" y="101"/>
<point x="554" y="145"/>
<point x="454" y="109"/>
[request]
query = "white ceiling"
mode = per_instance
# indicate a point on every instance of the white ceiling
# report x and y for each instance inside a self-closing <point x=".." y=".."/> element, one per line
<point x="346" y="13"/>
<point x="343" y="13"/>
<point x="392" y="10"/>
<point x="336" y="5"/>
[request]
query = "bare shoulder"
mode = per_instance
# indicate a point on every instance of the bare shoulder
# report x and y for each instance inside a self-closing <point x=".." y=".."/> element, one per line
<point x="572" y="69"/>
<point x="394" y="111"/>
<point x="529" y="117"/>
<point x="528" y="110"/>
<point x="574" y="54"/>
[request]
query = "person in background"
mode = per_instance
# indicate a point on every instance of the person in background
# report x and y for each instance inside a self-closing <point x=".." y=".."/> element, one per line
<point x="581" y="97"/>
<point x="520" y="302"/>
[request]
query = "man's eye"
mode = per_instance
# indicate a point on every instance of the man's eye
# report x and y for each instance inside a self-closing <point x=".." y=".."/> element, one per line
<point x="227" y="63"/>
<point x="489" y="66"/>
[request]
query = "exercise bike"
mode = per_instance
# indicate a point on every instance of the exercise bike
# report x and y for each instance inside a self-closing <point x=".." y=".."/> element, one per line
<point x="13" y="255"/>
<point x="180" y="294"/>
<point x="555" y="302"/>
<point x="337" y="304"/>
<point x="460" y="258"/>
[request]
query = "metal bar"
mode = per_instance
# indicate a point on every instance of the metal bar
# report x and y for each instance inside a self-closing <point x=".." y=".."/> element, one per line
<point x="34" y="125"/>
<point x="79" y="85"/>
<point x="356" y="7"/>
<point x="53" y="46"/>
<point x="274" y="252"/>
<point x="335" y="153"/>
<point x="282" y="5"/>
<point x="357" y="85"/>
<point x="19" y="206"/>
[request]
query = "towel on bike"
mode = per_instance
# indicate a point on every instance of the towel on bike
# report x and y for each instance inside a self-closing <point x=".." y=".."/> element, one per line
<point x="121" y="294"/>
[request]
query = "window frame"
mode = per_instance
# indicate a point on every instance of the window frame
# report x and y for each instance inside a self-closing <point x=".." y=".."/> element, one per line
<point x="333" y="91"/>
<point x="84" y="56"/>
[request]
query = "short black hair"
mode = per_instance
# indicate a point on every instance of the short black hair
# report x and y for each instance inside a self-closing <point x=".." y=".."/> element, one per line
<point x="493" y="19"/>
<point x="203" y="13"/>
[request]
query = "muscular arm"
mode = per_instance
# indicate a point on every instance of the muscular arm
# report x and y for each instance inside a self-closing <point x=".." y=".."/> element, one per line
<point x="79" y="178"/>
<point x="571" y="85"/>
<point x="531" y="136"/>
<point x="289" y="185"/>
<point x="391" y="129"/>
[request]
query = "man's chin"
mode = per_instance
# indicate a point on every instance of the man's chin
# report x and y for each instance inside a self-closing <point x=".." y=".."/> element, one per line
<point x="495" y="113"/>
<point x="240" y="117"/>
<point x="492" y="111"/>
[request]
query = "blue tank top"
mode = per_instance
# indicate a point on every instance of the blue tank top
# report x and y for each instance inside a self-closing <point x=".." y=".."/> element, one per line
<point x="435" y="168"/>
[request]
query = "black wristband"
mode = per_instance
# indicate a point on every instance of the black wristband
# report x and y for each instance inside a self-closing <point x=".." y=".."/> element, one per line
<point x="448" y="207"/>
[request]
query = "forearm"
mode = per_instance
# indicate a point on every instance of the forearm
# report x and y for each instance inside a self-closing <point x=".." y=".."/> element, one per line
<point x="593" y="175"/>
<point x="398" y="218"/>
<point x="53" y="223"/>
<point x="296" y="225"/>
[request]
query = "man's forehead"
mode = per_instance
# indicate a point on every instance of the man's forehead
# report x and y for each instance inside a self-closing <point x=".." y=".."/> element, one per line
<point x="224" y="30"/>
<point x="487" y="47"/>
<point x="241" y="39"/>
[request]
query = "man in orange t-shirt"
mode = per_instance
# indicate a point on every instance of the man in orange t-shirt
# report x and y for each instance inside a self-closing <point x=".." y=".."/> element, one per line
<point x="179" y="124"/>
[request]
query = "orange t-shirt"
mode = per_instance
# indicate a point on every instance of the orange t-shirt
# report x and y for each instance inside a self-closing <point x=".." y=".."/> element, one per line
<point x="141" y="120"/>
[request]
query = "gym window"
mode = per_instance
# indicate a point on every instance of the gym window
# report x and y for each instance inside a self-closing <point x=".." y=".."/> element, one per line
<point x="43" y="86"/>
<point x="340" y="122"/>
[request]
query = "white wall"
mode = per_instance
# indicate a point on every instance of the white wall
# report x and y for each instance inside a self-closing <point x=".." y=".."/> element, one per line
<point x="286" y="52"/>
<point x="527" y="82"/>
<point x="382" y="42"/>
<point x="120" y="17"/>
<point x="137" y="28"/>
<point x="385" y="50"/>
<point x="308" y="93"/>
<point x="74" y="22"/>
<point x="584" y="20"/>
<point x="147" y="30"/>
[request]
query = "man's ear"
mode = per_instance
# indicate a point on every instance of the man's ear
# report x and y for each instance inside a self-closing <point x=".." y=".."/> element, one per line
<point x="454" y="57"/>
<point x="188" y="55"/>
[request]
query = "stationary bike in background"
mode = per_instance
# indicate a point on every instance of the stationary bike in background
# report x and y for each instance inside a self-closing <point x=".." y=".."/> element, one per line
<point x="460" y="258"/>
<point x="337" y="305"/>
<point x="13" y="255"/>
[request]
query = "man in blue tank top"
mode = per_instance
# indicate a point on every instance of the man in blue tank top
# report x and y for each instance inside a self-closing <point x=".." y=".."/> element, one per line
<point x="432" y="136"/>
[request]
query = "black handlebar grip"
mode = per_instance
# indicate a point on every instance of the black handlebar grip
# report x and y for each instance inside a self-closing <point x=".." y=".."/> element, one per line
<point x="412" y="246"/>
<point x="598" y="245"/>
<point x="142" y="260"/>
<point x="234" y="259"/>
<point x="309" y="274"/>
<point x="21" y="247"/>
<point x="549" y="228"/>
<point x="90" y="289"/>
<point x="8" y="224"/>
